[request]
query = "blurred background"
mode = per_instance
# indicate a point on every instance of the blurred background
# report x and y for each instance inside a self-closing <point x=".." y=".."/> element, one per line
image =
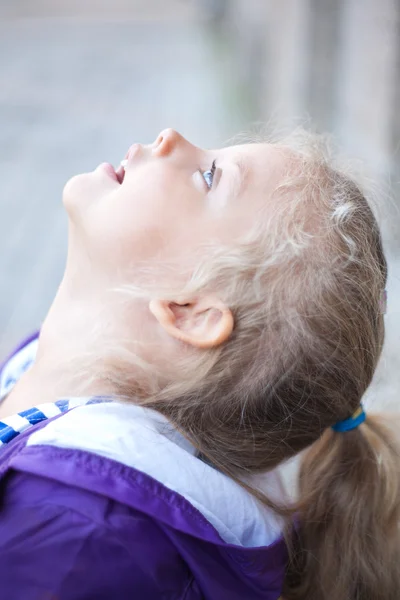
<point x="81" y="80"/>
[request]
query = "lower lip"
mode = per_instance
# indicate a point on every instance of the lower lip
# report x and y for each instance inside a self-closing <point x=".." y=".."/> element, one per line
<point x="109" y="169"/>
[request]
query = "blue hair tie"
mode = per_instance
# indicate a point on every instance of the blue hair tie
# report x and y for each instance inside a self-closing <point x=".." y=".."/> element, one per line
<point x="352" y="422"/>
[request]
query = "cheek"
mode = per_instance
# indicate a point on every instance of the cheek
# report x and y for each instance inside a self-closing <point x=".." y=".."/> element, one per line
<point x="153" y="201"/>
<point x="122" y="228"/>
<point x="143" y="219"/>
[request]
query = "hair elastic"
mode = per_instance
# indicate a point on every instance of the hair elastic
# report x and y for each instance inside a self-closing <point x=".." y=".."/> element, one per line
<point x="352" y="422"/>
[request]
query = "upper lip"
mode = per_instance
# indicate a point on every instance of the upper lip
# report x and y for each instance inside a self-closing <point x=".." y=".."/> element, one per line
<point x="131" y="151"/>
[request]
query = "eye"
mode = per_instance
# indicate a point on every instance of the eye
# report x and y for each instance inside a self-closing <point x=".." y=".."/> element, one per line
<point x="208" y="176"/>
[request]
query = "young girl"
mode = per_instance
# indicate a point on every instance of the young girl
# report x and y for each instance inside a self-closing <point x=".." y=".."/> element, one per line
<point x="220" y="312"/>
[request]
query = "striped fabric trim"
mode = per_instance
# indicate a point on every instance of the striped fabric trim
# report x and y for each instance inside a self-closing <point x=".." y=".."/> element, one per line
<point x="11" y="427"/>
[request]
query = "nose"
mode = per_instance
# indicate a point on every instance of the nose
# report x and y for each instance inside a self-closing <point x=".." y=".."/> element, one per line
<point x="168" y="141"/>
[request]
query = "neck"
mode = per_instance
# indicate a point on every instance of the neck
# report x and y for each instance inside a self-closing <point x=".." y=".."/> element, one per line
<point x="69" y="349"/>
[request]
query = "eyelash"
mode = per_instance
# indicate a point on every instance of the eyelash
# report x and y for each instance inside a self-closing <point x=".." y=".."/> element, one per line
<point x="207" y="175"/>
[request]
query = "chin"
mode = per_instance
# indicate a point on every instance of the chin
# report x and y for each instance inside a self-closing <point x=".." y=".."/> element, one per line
<point x="77" y="191"/>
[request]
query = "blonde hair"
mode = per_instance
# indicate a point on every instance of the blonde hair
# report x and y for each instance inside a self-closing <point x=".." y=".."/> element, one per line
<point x="305" y="287"/>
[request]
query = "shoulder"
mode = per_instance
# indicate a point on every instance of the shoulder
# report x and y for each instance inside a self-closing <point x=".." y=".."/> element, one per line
<point x="114" y="487"/>
<point x="139" y="444"/>
<point x="74" y="539"/>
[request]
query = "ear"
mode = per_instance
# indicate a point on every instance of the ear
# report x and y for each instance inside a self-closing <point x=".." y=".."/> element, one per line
<point x="203" y="323"/>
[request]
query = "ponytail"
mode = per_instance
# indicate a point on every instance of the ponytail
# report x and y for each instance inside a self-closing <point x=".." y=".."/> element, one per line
<point x="347" y="539"/>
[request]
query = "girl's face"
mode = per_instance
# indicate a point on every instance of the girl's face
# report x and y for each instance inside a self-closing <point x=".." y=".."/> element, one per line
<point x="173" y="197"/>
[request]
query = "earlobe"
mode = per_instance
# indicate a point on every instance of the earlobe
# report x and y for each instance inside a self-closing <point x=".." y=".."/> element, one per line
<point x="203" y="323"/>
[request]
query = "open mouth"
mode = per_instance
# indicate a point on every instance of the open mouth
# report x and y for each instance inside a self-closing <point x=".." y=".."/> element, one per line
<point x="120" y="172"/>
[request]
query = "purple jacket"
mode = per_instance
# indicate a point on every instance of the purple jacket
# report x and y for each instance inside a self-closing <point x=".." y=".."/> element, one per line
<point x="108" y="501"/>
